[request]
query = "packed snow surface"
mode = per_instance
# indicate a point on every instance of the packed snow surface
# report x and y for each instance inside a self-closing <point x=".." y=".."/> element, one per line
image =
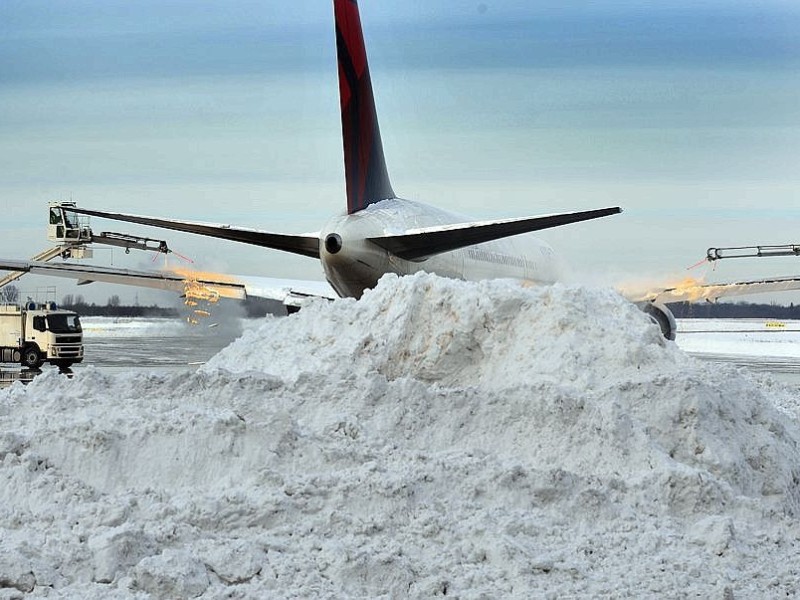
<point x="435" y="438"/>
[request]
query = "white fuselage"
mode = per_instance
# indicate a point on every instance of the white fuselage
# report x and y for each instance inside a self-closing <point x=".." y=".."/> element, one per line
<point x="359" y="264"/>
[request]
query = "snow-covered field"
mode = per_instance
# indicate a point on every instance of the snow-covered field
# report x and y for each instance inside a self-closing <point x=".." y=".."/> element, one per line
<point x="436" y="438"/>
<point x="742" y="337"/>
<point x="760" y="345"/>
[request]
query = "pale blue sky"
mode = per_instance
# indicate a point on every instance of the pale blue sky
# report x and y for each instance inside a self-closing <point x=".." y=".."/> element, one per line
<point x="685" y="114"/>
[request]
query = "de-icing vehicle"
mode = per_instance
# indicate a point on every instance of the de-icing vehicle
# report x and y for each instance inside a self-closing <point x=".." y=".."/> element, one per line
<point x="34" y="333"/>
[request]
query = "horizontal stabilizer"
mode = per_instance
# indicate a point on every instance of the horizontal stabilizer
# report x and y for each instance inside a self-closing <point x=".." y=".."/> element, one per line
<point x="418" y="244"/>
<point x="306" y="245"/>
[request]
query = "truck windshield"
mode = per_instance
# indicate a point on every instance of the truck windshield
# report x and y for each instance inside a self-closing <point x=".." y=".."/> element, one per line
<point x="64" y="323"/>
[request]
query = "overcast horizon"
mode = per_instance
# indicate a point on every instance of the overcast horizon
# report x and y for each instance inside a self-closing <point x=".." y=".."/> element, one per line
<point x="685" y="114"/>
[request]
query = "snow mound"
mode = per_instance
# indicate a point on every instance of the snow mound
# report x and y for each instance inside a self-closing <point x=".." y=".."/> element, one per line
<point x="452" y="333"/>
<point x="532" y="373"/>
<point x="435" y="437"/>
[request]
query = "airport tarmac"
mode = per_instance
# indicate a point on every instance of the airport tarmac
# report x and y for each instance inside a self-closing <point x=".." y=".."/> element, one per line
<point x="118" y="345"/>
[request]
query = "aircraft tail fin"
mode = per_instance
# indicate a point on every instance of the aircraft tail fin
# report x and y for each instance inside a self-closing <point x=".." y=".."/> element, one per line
<point x="366" y="175"/>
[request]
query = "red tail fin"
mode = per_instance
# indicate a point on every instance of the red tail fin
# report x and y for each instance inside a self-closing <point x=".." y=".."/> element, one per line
<point x="365" y="167"/>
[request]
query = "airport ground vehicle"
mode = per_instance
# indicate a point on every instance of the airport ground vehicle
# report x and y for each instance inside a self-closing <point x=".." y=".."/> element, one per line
<point x="34" y="333"/>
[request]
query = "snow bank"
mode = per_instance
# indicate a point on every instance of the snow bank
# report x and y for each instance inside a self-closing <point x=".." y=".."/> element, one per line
<point x="434" y="438"/>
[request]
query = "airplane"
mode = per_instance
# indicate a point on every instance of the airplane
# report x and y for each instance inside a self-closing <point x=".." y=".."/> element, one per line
<point x="379" y="232"/>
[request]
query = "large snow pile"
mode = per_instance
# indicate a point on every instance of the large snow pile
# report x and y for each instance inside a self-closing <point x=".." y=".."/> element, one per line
<point x="434" y="438"/>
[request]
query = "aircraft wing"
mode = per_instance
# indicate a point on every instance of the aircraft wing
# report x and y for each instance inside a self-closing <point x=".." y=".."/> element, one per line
<point x="303" y="244"/>
<point x="418" y="244"/>
<point x="415" y="244"/>
<point x="290" y="292"/>
<point x="692" y="291"/>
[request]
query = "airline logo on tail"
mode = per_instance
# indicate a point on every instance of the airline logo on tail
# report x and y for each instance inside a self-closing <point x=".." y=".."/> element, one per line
<point x="365" y="167"/>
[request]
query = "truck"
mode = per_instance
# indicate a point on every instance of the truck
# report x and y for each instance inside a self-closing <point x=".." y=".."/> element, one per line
<point x="34" y="333"/>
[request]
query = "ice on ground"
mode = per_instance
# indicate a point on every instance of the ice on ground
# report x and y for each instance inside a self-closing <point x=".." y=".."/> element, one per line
<point x="434" y="438"/>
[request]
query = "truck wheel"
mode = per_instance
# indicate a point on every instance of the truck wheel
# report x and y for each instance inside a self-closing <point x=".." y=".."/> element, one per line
<point x="31" y="357"/>
<point x="63" y="365"/>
